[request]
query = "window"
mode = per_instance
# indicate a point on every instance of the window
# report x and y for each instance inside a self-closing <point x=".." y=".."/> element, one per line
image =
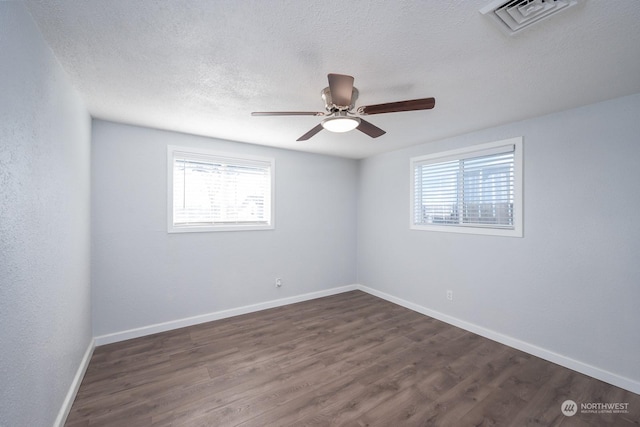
<point x="472" y="190"/>
<point x="210" y="191"/>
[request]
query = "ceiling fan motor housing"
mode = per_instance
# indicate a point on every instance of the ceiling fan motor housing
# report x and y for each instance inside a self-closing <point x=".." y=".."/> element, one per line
<point x="331" y="107"/>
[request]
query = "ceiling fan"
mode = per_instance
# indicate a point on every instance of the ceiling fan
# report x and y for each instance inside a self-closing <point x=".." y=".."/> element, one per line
<point x="339" y="99"/>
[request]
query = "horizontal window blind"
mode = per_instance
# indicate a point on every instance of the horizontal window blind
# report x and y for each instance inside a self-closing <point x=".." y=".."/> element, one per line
<point x="474" y="190"/>
<point x="209" y="190"/>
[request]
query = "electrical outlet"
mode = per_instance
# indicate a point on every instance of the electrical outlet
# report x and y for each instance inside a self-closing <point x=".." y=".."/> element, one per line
<point x="278" y="282"/>
<point x="450" y="295"/>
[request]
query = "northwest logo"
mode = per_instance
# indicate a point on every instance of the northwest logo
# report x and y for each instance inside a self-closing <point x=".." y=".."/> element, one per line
<point x="569" y="408"/>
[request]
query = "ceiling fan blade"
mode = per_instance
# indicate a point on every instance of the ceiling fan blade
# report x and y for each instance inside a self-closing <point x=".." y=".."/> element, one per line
<point x="371" y="130"/>
<point x="287" y="113"/>
<point x="394" y="107"/>
<point x="310" y="133"/>
<point x="341" y="87"/>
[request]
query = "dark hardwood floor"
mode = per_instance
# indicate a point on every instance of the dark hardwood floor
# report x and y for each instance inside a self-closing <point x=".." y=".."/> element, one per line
<point x="345" y="360"/>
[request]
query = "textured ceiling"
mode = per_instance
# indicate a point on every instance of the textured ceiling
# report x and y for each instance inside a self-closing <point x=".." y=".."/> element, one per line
<point x="202" y="67"/>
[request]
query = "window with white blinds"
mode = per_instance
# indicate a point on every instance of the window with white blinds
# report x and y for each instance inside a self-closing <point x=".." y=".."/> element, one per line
<point x="473" y="190"/>
<point x="210" y="191"/>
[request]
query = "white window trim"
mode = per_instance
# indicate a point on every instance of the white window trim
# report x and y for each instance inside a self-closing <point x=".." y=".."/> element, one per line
<point x="194" y="152"/>
<point x="518" y="207"/>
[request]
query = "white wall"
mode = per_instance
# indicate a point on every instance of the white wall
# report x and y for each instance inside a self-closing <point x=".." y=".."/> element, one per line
<point x="143" y="276"/>
<point x="45" y="320"/>
<point x="571" y="285"/>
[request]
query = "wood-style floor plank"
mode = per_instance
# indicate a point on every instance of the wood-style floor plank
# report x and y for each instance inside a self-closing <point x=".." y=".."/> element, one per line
<point x="345" y="360"/>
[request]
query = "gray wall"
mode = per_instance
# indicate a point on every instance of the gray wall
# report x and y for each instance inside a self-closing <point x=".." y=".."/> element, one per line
<point x="142" y="275"/>
<point x="571" y="284"/>
<point x="45" y="320"/>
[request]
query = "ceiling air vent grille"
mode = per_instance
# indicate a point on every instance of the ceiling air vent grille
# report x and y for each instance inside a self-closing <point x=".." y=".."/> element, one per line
<point x="515" y="15"/>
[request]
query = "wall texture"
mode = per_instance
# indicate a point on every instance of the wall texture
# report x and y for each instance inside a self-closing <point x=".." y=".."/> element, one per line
<point x="570" y="285"/>
<point x="45" y="319"/>
<point x="142" y="275"/>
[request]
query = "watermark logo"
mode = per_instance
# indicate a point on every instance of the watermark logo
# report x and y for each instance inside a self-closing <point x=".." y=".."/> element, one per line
<point x="604" y="408"/>
<point x="569" y="408"/>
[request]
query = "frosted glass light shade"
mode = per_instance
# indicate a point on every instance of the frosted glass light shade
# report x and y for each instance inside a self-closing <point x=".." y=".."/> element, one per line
<point x="340" y="123"/>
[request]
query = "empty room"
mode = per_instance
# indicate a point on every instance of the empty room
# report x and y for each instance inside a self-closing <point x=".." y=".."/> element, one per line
<point x="291" y="213"/>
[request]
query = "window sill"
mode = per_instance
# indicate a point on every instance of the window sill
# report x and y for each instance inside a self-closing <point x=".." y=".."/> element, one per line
<point x="468" y="229"/>
<point x="222" y="227"/>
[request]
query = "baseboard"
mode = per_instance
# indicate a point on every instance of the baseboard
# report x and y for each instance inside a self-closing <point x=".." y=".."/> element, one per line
<point x="194" y="320"/>
<point x="567" y="362"/>
<point x="75" y="385"/>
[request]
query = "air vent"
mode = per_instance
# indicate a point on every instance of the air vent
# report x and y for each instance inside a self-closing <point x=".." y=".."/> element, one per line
<point x="514" y="15"/>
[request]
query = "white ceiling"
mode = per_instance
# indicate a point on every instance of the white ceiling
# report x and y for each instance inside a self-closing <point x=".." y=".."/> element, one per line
<point x="202" y="67"/>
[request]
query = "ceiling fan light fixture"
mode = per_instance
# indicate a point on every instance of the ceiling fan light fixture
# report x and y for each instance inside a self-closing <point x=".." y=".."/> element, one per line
<point x="340" y="123"/>
<point x="339" y="100"/>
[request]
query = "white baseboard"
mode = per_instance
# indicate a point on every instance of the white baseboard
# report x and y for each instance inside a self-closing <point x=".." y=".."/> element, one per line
<point x="75" y="385"/>
<point x="194" y="320"/>
<point x="567" y="362"/>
